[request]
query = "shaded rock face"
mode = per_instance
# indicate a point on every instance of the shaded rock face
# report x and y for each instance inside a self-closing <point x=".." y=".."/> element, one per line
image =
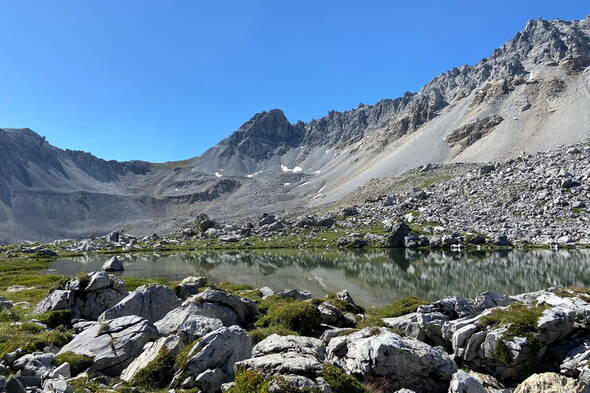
<point x="114" y="264"/>
<point x="216" y="355"/>
<point x="87" y="297"/>
<point x="404" y="362"/>
<point x="151" y="302"/>
<point x="113" y="344"/>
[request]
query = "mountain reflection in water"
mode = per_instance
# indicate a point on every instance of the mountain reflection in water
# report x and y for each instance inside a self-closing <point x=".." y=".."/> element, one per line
<point x="372" y="277"/>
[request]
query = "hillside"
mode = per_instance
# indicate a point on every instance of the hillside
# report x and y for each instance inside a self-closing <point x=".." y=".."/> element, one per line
<point x="530" y="95"/>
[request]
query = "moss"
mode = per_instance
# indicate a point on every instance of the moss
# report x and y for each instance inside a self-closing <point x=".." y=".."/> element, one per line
<point x="78" y="363"/>
<point x="57" y="318"/>
<point x="340" y="382"/>
<point x="247" y="381"/>
<point x="582" y="293"/>
<point x="520" y="321"/>
<point x="8" y="316"/>
<point x="262" y="333"/>
<point x="398" y="308"/>
<point x="85" y="385"/>
<point x="158" y="373"/>
<point x="265" y="304"/>
<point x="300" y="317"/>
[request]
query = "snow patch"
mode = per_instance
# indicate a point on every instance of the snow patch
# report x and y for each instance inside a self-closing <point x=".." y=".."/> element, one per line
<point x="218" y="174"/>
<point x="287" y="184"/>
<point x="297" y="169"/>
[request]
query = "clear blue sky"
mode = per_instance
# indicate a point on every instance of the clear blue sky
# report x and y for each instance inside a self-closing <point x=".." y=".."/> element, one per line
<point x="165" y="80"/>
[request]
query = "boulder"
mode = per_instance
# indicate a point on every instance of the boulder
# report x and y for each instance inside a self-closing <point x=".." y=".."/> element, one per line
<point x="113" y="344"/>
<point x="287" y="356"/>
<point x="57" y="385"/>
<point x="550" y="383"/>
<point x="190" y="286"/>
<point x="113" y="265"/>
<point x="151" y="302"/>
<point x="398" y="233"/>
<point x="13" y="385"/>
<point x="295" y="294"/>
<point x="5" y="304"/>
<point x="215" y="356"/>
<point x="35" y="364"/>
<point x="209" y="314"/>
<point x="462" y="382"/>
<point x="380" y="353"/>
<point x="87" y="296"/>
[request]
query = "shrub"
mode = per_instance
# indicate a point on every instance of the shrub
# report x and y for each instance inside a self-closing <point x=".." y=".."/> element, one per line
<point x="78" y="363"/>
<point x="54" y="319"/>
<point x="340" y="382"/>
<point x="300" y="317"/>
<point x="249" y="382"/>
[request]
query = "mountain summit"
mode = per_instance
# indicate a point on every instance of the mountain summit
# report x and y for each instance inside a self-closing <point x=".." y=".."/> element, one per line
<point x="531" y="94"/>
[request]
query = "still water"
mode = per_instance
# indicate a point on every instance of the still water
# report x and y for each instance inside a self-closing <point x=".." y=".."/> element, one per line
<point x="372" y="277"/>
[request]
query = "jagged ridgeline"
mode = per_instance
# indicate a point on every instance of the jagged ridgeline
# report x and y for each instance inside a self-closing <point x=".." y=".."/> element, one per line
<point x="532" y="94"/>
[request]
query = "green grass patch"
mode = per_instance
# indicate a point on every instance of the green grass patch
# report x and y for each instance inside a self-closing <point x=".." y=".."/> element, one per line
<point x="261" y="333"/>
<point x="340" y="382"/>
<point x="300" y="317"/>
<point x="158" y="373"/>
<point x="398" y="308"/>
<point x="30" y="337"/>
<point x="78" y="363"/>
<point x="57" y="318"/>
<point x="520" y="321"/>
<point x="132" y="283"/>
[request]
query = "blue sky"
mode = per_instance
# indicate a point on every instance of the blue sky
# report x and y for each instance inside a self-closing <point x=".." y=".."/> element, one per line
<point x="165" y="80"/>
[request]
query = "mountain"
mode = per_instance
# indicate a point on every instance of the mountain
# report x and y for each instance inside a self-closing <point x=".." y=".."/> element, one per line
<point x="532" y="94"/>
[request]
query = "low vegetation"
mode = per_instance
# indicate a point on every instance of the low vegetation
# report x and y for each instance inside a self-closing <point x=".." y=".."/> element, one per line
<point x="78" y="363"/>
<point x="400" y="307"/>
<point x="158" y="373"/>
<point x="298" y="316"/>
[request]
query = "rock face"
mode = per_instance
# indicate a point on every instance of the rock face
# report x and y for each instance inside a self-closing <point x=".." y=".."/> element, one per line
<point x="298" y="359"/>
<point x="404" y="362"/>
<point x="462" y="382"/>
<point x="212" y="303"/>
<point x="87" y="296"/>
<point x="151" y="302"/>
<point x="113" y="344"/>
<point x="550" y="383"/>
<point x="216" y="355"/>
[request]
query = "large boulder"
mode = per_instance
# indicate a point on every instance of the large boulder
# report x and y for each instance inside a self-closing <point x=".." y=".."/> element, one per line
<point x="151" y="302"/>
<point x="403" y="362"/>
<point x="35" y="364"/>
<point x="213" y="358"/>
<point x="212" y="303"/>
<point x="113" y="344"/>
<point x="298" y="360"/>
<point x="87" y="296"/>
<point x="189" y="320"/>
<point x="396" y="239"/>
<point x="286" y="355"/>
<point x="551" y="383"/>
<point x="462" y="382"/>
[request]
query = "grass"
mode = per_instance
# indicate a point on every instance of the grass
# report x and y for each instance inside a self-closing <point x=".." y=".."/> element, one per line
<point x="132" y="283"/>
<point x="400" y="307"/>
<point x="340" y="382"/>
<point x="297" y="316"/>
<point x="54" y="319"/>
<point x="249" y="382"/>
<point x="261" y="333"/>
<point x="78" y="363"/>
<point x="520" y="321"/>
<point x="158" y="373"/>
<point x="29" y="337"/>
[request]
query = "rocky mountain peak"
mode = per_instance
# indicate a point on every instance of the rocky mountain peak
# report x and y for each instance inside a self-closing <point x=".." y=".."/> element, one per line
<point x="265" y="134"/>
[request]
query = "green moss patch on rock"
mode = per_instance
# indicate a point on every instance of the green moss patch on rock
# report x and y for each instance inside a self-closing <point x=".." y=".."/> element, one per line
<point x="78" y="363"/>
<point x="298" y="316"/>
<point x="261" y="333"/>
<point x="158" y="373"/>
<point x="340" y="382"/>
<point x="398" y="308"/>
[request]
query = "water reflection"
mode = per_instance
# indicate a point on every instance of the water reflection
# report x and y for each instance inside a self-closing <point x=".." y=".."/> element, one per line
<point x="372" y="277"/>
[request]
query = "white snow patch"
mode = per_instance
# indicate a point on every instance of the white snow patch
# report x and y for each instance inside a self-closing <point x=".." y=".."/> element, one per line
<point x="251" y="175"/>
<point x="287" y="184"/>
<point x="297" y="169"/>
<point x="218" y="174"/>
<point x="317" y="172"/>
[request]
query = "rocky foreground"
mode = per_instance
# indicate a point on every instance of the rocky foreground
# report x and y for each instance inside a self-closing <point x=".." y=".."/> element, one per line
<point x="98" y="336"/>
